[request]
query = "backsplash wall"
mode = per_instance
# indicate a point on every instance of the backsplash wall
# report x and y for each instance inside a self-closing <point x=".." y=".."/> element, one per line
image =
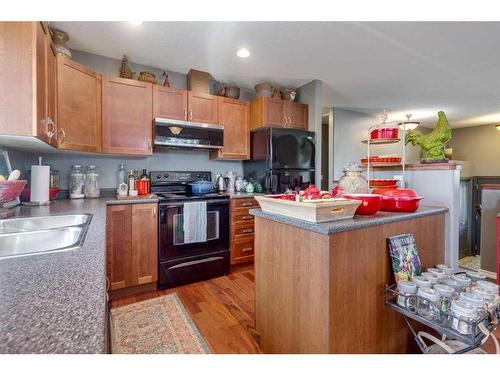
<point x="175" y="160"/>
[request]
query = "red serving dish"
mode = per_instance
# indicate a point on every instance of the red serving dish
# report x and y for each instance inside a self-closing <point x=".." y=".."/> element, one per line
<point x="398" y="200"/>
<point x="289" y="197"/>
<point x="378" y="182"/>
<point x="370" y="203"/>
<point x="312" y="192"/>
<point x="384" y="133"/>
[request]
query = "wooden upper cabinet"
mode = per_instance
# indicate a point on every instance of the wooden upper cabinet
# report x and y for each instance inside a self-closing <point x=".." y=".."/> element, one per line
<point x="297" y="115"/>
<point x="127" y="116"/>
<point x="23" y="79"/>
<point x="234" y="115"/>
<point x="78" y="107"/>
<point x="203" y="108"/>
<point x="170" y="103"/>
<point x="119" y="246"/>
<point x="278" y="113"/>
<point x="144" y="243"/>
<point x="267" y="112"/>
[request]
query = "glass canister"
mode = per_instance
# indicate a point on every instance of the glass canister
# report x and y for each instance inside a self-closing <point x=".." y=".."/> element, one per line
<point x="446" y="292"/>
<point x="431" y="277"/>
<point x="428" y="303"/>
<point x="447" y="269"/>
<point x="54" y="178"/>
<point x="421" y="282"/>
<point x="353" y="181"/>
<point x="440" y="274"/>
<point x="92" y="189"/>
<point x="76" y="182"/>
<point x="462" y="314"/>
<point x="463" y="280"/>
<point x="454" y="284"/>
<point x="407" y="297"/>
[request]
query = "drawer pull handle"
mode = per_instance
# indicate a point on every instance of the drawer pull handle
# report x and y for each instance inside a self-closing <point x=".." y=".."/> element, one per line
<point x="247" y="217"/>
<point x="248" y="230"/>
<point x="247" y="249"/>
<point x="247" y="204"/>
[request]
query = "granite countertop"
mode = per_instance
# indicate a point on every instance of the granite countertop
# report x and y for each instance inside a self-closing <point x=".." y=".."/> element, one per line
<point x="357" y="222"/>
<point x="56" y="302"/>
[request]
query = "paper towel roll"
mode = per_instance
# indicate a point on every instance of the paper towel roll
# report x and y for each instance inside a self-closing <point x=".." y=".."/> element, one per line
<point x="40" y="177"/>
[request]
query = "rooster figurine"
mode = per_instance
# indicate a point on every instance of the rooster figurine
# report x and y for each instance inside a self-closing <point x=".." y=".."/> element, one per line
<point x="432" y="144"/>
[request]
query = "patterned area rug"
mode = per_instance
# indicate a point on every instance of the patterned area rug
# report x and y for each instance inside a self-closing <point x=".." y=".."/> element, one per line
<point x="160" y="325"/>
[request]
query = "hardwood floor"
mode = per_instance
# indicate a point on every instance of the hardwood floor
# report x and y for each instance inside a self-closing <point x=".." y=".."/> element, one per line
<point x="222" y="309"/>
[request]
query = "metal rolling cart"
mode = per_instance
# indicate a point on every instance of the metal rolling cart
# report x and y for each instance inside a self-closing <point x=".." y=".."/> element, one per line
<point x="478" y="330"/>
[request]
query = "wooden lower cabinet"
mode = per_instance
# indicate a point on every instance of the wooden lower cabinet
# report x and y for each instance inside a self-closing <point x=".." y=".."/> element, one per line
<point x="242" y="230"/>
<point x="131" y="245"/>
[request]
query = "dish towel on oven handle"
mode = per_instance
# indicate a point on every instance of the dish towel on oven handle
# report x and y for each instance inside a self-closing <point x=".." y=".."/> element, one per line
<point x="195" y="222"/>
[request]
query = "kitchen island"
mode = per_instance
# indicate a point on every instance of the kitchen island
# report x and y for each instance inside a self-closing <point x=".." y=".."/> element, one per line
<point x="56" y="302"/>
<point x="320" y="286"/>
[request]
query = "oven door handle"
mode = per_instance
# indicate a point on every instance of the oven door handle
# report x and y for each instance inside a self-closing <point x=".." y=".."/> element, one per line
<point x="209" y="202"/>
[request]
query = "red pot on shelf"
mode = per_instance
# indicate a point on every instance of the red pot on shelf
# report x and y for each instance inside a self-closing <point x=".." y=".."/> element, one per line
<point x="384" y="133"/>
<point x="370" y="203"/>
<point x="398" y="200"/>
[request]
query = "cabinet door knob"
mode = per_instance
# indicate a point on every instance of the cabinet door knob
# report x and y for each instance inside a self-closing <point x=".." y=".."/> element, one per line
<point x="185" y="114"/>
<point x="190" y="114"/>
<point x="63" y="134"/>
<point x="149" y="144"/>
<point x="289" y="121"/>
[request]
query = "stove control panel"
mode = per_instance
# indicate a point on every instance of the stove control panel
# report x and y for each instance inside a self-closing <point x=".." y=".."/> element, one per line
<point x="162" y="177"/>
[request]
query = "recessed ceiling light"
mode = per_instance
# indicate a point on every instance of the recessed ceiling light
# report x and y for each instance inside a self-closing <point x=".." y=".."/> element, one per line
<point x="243" y="52"/>
<point x="136" y="23"/>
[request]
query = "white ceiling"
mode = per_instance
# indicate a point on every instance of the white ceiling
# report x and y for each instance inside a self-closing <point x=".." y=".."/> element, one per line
<point x="403" y="67"/>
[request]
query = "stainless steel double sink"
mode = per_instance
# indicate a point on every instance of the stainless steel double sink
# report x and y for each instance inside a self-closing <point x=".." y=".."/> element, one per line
<point x="42" y="234"/>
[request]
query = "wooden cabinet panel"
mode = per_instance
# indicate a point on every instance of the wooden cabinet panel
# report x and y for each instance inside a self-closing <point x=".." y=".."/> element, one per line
<point x="119" y="246"/>
<point x="203" y="108"/>
<point x="145" y="243"/>
<point x="274" y="112"/>
<point x="234" y="115"/>
<point x="170" y="103"/>
<point x="41" y="83"/>
<point x="51" y="91"/>
<point x="78" y="107"/>
<point x="297" y="115"/>
<point x="127" y="116"/>
<point x="131" y="245"/>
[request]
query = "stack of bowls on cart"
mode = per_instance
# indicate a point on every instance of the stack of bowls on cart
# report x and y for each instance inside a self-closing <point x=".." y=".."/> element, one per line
<point x="459" y="301"/>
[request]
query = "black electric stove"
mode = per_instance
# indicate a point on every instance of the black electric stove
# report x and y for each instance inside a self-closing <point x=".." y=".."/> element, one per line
<point x="179" y="262"/>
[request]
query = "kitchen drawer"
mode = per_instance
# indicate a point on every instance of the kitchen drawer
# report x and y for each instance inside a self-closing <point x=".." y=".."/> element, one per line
<point x="242" y="251"/>
<point x="241" y="216"/>
<point x="244" y="203"/>
<point x="243" y="229"/>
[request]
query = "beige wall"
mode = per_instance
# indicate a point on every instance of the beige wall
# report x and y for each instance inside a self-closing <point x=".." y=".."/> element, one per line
<point x="479" y="145"/>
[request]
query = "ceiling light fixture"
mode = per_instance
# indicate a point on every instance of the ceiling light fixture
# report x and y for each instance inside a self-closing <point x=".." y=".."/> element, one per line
<point x="409" y="125"/>
<point x="497" y="126"/>
<point x="243" y="53"/>
<point x="136" y="23"/>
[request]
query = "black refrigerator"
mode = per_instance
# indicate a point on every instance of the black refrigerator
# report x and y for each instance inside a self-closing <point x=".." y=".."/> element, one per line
<point x="281" y="159"/>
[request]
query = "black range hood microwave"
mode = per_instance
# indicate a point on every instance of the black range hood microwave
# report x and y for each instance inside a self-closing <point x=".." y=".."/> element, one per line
<point x="187" y="134"/>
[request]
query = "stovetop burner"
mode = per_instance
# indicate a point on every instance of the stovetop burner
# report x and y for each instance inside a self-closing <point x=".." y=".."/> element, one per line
<point x="175" y="186"/>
